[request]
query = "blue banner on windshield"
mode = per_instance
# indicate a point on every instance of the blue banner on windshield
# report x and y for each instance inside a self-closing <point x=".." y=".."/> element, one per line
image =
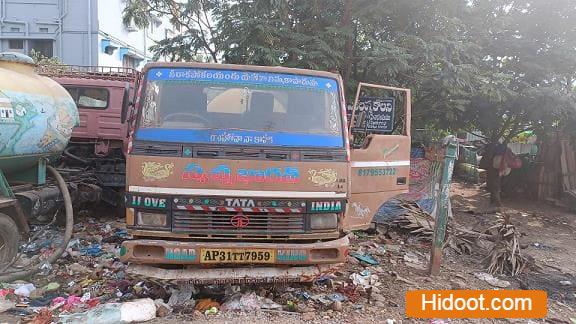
<point x="244" y="77"/>
<point x="237" y="137"/>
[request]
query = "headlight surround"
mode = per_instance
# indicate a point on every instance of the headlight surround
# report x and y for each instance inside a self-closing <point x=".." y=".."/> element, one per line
<point x="148" y="219"/>
<point x="323" y="221"/>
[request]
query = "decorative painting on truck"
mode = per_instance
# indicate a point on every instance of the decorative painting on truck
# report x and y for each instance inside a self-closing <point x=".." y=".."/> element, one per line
<point x="224" y="175"/>
<point x="34" y="123"/>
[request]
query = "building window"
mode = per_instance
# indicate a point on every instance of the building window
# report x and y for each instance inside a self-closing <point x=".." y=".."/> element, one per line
<point x="129" y="62"/>
<point x="90" y="98"/>
<point x="14" y="29"/>
<point x="43" y="46"/>
<point x="16" y="44"/>
<point x="43" y="29"/>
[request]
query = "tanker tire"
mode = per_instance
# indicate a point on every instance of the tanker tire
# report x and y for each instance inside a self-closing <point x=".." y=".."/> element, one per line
<point x="9" y="240"/>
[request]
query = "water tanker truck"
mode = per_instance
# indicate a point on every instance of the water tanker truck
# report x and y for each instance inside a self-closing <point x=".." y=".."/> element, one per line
<point x="37" y="116"/>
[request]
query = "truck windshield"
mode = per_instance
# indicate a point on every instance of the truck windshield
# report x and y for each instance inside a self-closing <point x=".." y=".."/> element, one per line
<point x="240" y="108"/>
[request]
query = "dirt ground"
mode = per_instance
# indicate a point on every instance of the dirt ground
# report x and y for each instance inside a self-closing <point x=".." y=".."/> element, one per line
<point x="547" y="235"/>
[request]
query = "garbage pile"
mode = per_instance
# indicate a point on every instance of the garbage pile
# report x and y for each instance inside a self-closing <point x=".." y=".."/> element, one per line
<point x="90" y="285"/>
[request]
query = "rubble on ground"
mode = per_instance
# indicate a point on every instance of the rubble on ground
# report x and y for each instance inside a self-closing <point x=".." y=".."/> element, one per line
<point x="89" y="281"/>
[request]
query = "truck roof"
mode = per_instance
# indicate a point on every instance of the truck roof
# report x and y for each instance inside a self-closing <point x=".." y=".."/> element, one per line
<point x="239" y="67"/>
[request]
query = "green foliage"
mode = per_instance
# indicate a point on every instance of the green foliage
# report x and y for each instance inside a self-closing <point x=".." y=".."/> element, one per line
<point x="40" y="59"/>
<point x="497" y="66"/>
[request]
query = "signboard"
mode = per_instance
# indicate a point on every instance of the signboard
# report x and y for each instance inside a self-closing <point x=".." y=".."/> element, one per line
<point x="378" y="114"/>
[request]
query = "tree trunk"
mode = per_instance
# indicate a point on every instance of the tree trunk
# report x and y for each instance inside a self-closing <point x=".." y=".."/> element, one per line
<point x="494" y="185"/>
<point x="493" y="179"/>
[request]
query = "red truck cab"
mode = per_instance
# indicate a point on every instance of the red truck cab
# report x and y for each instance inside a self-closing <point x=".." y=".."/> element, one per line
<point x="101" y="140"/>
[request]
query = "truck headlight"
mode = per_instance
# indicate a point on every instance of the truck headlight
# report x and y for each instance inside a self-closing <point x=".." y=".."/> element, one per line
<point x="323" y="221"/>
<point x="152" y="219"/>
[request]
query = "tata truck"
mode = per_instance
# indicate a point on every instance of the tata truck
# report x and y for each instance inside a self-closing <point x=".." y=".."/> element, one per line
<point x="246" y="174"/>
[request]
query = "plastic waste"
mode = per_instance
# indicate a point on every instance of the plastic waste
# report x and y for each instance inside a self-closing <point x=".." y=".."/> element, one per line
<point x="492" y="280"/>
<point x="211" y="311"/>
<point x="365" y="258"/>
<point x="94" y="250"/>
<point x="6" y="305"/>
<point x="24" y="290"/>
<point x="365" y="281"/>
<point x="249" y="302"/>
<point x="51" y="286"/>
<point x="182" y="296"/>
<point x="139" y="310"/>
<point x="205" y="304"/>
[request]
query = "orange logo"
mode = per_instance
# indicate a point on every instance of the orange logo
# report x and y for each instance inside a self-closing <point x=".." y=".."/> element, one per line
<point x="240" y="221"/>
<point x="476" y="304"/>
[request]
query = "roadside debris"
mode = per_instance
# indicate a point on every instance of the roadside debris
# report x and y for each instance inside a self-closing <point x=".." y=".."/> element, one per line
<point x="183" y="296"/>
<point x="139" y="310"/>
<point x="506" y="256"/>
<point x="492" y="280"/>
<point x="365" y="258"/>
<point x="89" y="281"/>
<point x="364" y="279"/>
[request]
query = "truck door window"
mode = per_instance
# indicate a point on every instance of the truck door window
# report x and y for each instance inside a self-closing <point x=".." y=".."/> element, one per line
<point x="90" y="98"/>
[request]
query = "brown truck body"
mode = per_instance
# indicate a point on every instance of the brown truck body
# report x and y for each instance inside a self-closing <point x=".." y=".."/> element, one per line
<point x="269" y="198"/>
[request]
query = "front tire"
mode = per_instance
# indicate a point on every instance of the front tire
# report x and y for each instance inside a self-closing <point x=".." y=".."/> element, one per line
<point x="9" y="240"/>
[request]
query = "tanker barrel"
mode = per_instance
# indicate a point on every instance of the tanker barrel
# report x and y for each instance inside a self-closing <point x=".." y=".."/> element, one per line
<point x="37" y="116"/>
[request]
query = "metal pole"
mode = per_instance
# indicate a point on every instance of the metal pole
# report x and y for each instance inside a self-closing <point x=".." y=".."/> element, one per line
<point x="451" y="144"/>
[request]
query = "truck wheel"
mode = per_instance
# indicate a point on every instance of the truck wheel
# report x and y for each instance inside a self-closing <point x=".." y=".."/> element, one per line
<point x="9" y="239"/>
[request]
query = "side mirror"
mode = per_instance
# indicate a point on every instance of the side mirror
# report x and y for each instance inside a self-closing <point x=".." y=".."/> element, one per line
<point x="126" y="103"/>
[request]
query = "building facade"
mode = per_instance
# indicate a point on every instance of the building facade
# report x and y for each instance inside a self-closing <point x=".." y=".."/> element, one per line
<point x="78" y="32"/>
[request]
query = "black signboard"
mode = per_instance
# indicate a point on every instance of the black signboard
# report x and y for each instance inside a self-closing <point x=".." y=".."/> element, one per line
<point x="375" y="114"/>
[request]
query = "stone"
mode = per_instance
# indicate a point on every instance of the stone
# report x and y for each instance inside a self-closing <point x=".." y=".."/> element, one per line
<point x="308" y="316"/>
<point x="198" y="313"/>
<point x="77" y="268"/>
<point x="337" y="306"/>
<point x="378" y="297"/>
<point x="162" y="309"/>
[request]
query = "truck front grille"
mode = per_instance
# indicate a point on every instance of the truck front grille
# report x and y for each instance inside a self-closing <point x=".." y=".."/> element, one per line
<point x="221" y="223"/>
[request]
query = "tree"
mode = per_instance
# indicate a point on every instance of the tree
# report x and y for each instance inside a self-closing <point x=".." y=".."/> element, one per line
<point x="198" y="38"/>
<point x="417" y="44"/>
<point x="528" y="65"/>
<point x="500" y="67"/>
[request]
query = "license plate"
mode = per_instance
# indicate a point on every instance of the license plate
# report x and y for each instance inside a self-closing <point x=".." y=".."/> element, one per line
<point x="237" y="256"/>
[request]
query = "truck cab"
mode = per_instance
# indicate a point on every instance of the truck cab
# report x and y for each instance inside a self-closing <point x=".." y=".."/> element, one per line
<point x="245" y="174"/>
<point x="101" y="140"/>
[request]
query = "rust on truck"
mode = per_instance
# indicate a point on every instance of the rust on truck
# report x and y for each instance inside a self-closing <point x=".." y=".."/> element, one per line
<point x="245" y="173"/>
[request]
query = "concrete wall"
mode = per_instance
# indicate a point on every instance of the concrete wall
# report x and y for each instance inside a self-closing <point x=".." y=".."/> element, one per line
<point x="130" y="41"/>
<point x="72" y="25"/>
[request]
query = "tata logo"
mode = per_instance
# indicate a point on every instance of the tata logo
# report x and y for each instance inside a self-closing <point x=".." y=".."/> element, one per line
<point x="320" y="206"/>
<point x="240" y="221"/>
<point x="239" y="202"/>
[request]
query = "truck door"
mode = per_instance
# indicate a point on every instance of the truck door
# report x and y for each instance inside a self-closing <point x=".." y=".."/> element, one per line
<point x="380" y="151"/>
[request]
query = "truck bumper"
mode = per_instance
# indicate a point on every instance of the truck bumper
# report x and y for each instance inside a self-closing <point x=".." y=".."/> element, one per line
<point x="238" y="275"/>
<point x="212" y="254"/>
